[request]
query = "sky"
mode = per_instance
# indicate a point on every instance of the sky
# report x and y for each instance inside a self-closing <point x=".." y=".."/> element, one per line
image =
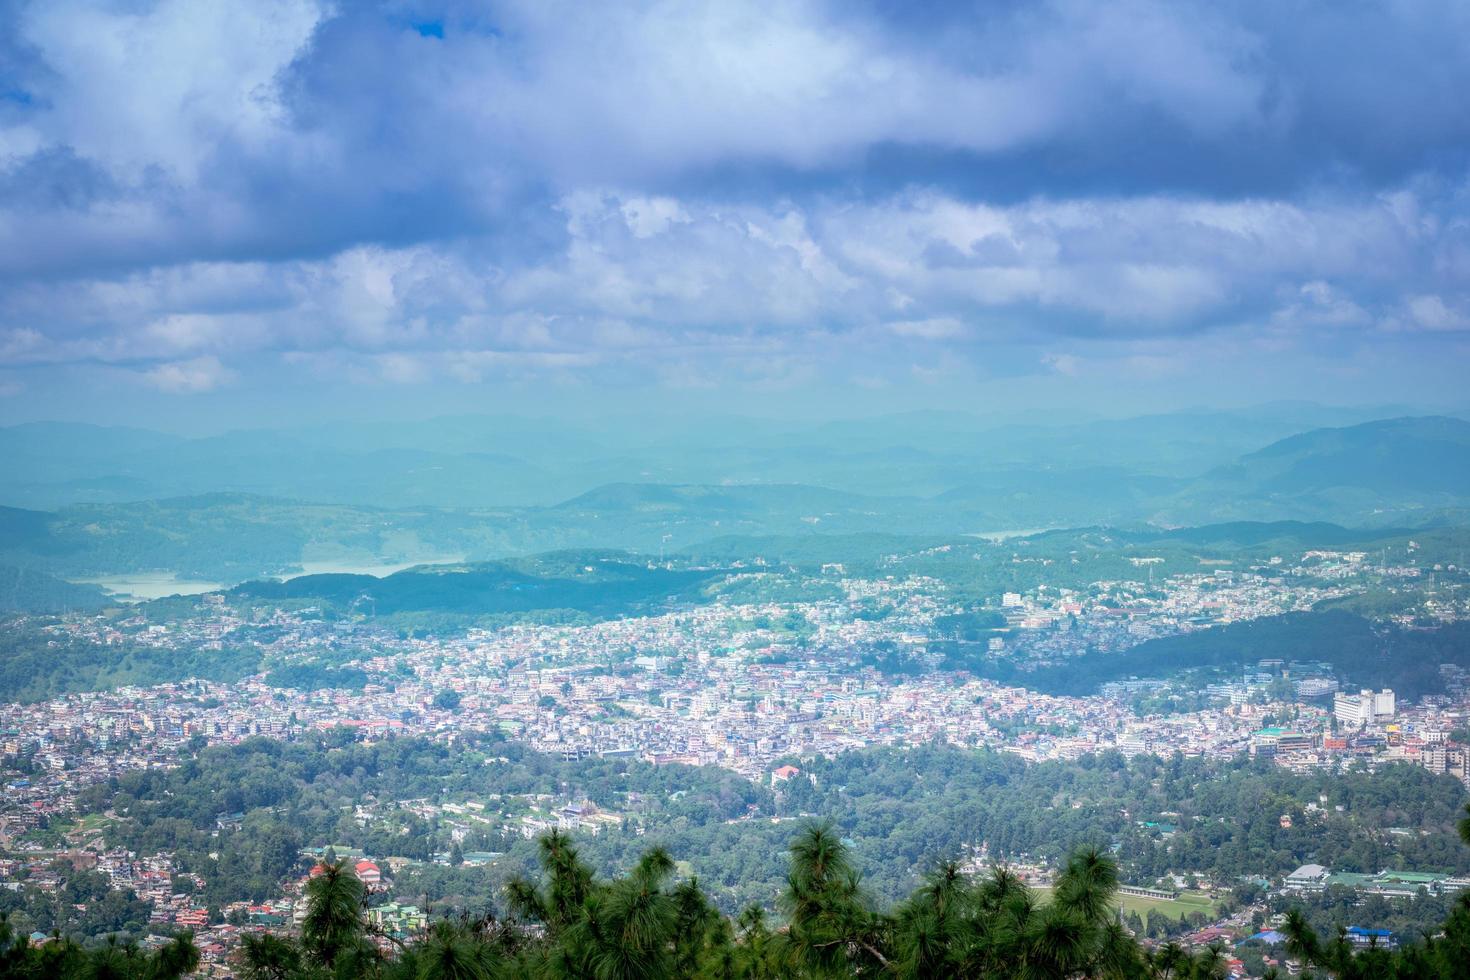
<point x="213" y="214"/>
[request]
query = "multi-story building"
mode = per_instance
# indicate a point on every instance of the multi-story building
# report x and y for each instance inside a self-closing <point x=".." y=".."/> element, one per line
<point x="1364" y="708"/>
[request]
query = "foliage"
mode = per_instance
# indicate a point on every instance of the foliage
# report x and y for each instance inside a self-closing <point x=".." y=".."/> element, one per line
<point x="38" y="665"/>
<point x="316" y="676"/>
<point x="900" y="810"/>
<point x="1363" y="652"/>
<point x="64" y="959"/>
<point x="646" y="926"/>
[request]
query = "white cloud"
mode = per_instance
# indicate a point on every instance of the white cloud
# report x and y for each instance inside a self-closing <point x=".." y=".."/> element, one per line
<point x="686" y="278"/>
<point x="166" y="83"/>
<point x="193" y="376"/>
<point x="935" y="328"/>
<point x="1065" y="364"/>
<point x="1433" y="313"/>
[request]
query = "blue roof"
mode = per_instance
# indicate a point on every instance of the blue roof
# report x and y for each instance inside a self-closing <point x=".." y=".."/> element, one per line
<point x="1270" y="936"/>
<point x="1360" y="931"/>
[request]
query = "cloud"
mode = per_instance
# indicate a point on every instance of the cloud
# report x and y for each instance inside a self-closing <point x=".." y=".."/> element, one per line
<point x="170" y="131"/>
<point x="1433" y="313"/>
<point x="935" y="328"/>
<point x="693" y="191"/>
<point x="193" y="376"/>
<point x="691" y="278"/>
<point x="1065" y="364"/>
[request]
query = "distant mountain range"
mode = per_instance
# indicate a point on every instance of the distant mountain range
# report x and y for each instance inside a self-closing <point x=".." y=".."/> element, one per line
<point x="489" y="461"/>
<point x="1401" y="472"/>
<point x="1409" y="470"/>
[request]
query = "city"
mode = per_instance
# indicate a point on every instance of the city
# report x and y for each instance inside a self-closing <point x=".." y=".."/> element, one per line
<point x="756" y="689"/>
<point x="720" y="490"/>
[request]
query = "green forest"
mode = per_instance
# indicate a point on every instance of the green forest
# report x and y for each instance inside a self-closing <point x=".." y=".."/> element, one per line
<point x="38" y="665"/>
<point x="650" y="924"/>
<point x="1365" y="653"/>
<point x="901" y="812"/>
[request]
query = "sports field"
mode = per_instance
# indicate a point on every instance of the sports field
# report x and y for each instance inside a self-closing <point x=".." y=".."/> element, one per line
<point x="1177" y="908"/>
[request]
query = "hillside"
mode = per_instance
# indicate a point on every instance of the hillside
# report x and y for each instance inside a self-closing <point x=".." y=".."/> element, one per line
<point x="607" y="585"/>
<point x="1403" y="469"/>
<point x="507" y="461"/>
<point x="27" y="590"/>
<point x="1364" y="653"/>
<point x="1389" y="474"/>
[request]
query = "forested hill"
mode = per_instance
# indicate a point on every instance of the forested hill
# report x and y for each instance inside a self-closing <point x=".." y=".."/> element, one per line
<point x="590" y="582"/>
<point x="1394" y="473"/>
<point x="1362" y="652"/>
<point x="27" y="590"/>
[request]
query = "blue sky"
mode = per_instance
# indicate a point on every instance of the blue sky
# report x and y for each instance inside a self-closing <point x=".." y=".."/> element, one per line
<point x="218" y="213"/>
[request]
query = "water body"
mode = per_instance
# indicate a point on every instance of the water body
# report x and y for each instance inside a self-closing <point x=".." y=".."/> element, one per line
<point x="140" y="586"/>
<point x="130" y="587"/>
<point x="378" y="568"/>
<point x="998" y="536"/>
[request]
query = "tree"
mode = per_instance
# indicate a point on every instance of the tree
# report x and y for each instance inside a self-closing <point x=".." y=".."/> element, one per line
<point x="64" y="958"/>
<point x="333" y="927"/>
<point x="643" y="926"/>
<point x="831" y="923"/>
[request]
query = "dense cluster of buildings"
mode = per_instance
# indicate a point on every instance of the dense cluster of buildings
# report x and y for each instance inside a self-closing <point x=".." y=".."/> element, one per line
<point x="738" y="686"/>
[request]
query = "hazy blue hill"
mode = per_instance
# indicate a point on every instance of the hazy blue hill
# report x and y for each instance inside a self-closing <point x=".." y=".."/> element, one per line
<point x="704" y="501"/>
<point x="392" y="477"/>
<point x="27" y="590"/>
<point x="928" y="431"/>
<point x="1182" y="443"/>
<point x="20" y="528"/>
<point x="264" y="503"/>
<point x="813" y="551"/>
<point x="1417" y="455"/>
<point x="1403" y="472"/>
<point x="518" y="436"/>
<point x="1302" y="534"/>
<point x="220" y="536"/>
<point x="585" y="582"/>
<point x="271" y="463"/>
<point x="499" y="461"/>
<point x="48" y="462"/>
<point x="76" y="440"/>
<point x="1005" y="499"/>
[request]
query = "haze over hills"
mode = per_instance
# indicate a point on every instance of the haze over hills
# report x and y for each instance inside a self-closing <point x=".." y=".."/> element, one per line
<point x="1400" y="472"/>
<point x="478" y="484"/>
<point x="491" y="461"/>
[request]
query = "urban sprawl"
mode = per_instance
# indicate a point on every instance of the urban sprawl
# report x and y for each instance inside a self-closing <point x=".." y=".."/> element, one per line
<point x="751" y="688"/>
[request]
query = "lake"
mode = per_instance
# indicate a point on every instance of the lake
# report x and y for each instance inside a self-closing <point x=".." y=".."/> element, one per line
<point x="138" y="586"/>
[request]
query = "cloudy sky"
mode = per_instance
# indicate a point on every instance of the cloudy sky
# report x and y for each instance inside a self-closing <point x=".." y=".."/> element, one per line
<point x="214" y="213"/>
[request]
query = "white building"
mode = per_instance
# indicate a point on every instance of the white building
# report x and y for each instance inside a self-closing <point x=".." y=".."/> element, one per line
<point x="1308" y="878"/>
<point x="1364" y="708"/>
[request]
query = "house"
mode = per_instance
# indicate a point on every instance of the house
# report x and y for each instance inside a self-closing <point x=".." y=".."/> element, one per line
<point x="1361" y="937"/>
<point x="1307" y="878"/>
<point x="783" y="774"/>
<point x="369" y="873"/>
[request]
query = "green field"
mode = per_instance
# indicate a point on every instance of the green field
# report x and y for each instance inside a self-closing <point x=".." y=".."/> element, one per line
<point x="1178" y="908"/>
